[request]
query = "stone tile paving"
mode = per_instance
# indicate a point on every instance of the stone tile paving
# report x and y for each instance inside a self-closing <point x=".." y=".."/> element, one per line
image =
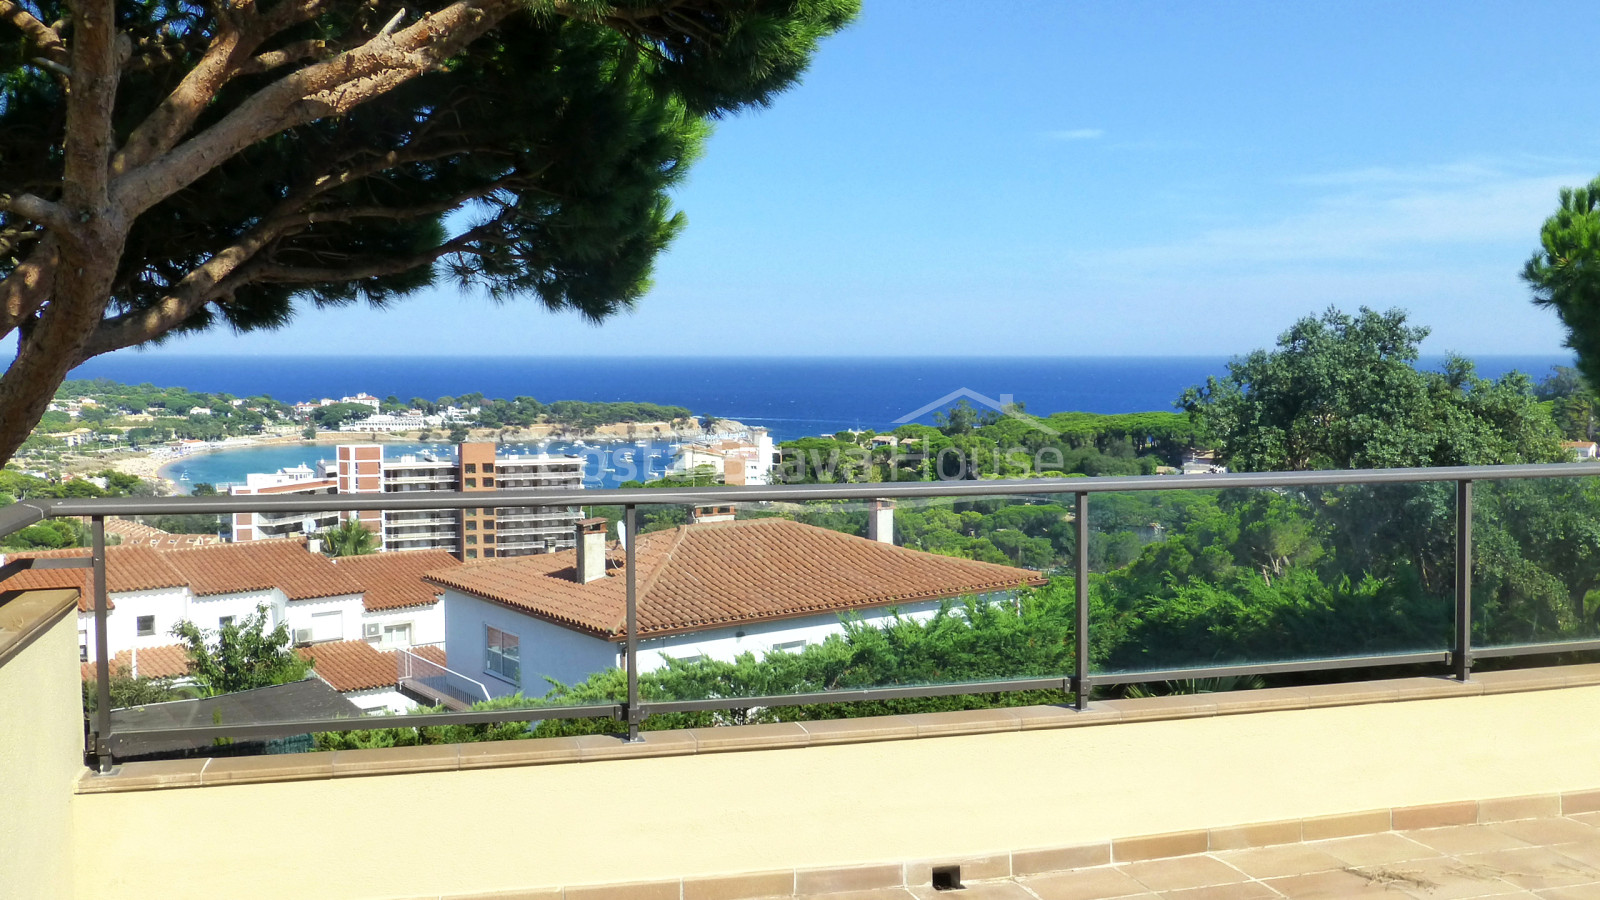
<point x="1531" y="859"/>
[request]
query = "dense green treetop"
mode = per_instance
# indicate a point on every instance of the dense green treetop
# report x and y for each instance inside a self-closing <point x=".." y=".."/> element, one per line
<point x="1565" y="272"/>
<point x="1342" y="391"/>
<point x="241" y="655"/>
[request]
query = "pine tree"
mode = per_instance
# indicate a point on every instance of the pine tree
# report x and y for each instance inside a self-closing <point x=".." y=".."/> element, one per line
<point x="213" y="163"/>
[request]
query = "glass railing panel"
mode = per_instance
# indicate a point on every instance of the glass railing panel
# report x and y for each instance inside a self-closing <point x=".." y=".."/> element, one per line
<point x="833" y="597"/>
<point x="1197" y="579"/>
<point x="1536" y="561"/>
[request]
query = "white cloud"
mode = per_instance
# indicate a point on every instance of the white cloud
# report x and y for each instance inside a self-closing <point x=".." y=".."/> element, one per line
<point x="1380" y="216"/>
<point x="1076" y="134"/>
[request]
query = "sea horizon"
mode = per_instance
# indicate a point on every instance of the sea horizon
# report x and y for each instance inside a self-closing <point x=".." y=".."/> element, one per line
<point x="791" y="396"/>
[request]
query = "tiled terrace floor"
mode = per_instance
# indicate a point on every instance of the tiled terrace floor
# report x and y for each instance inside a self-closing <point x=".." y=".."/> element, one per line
<point x="1551" y="859"/>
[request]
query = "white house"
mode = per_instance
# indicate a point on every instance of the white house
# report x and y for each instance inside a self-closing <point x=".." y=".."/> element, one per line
<point x="365" y="675"/>
<point x="1582" y="449"/>
<point x="380" y="599"/>
<point x="711" y="589"/>
<point x="399" y="609"/>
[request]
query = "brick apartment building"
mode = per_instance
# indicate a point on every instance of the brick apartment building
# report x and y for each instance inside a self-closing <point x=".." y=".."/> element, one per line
<point x="475" y="533"/>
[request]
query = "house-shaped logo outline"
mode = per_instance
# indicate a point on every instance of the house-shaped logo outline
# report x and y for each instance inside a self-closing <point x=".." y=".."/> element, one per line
<point x="1004" y="406"/>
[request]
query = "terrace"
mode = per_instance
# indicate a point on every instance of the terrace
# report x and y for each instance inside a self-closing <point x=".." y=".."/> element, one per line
<point x="1088" y="795"/>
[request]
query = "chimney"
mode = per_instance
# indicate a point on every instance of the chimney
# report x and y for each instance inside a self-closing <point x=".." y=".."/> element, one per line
<point x="880" y="521"/>
<point x="591" y="550"/>
<point x="314" y="546"/>
<point x="704" y="514"/>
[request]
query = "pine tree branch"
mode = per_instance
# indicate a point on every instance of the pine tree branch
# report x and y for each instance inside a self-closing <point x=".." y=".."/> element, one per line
<point x="46" y="41"/>
<point x="38" y="210"/>
<point x="26" y="288"/>
<point x="328" y="88"/>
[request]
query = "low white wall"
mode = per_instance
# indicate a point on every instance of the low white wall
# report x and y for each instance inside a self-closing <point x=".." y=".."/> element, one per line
<point x="605" y="822"/>
<point x="759" y="637"/>
<point x="41" y="754"/>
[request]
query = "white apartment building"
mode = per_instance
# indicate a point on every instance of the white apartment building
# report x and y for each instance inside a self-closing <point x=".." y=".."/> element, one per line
<point x="261" y="526"/>
<point x="478" y="533"/>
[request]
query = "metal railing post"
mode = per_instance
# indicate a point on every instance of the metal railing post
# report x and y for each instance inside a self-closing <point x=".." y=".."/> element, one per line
<point x="1461" y="657"/>
<point x="1080" y="678"/>
<point x="102" y="652"/>
<point x="630" y="543"/>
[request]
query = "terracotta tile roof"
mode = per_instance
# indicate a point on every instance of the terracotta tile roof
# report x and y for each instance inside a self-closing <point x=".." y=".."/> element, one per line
<point x="131" y="531"/>
<point x="433" y="653"/>
<point x="176" y="541"/>
<point x="702" y="576"/>
<point x="310" y="487"/>
<point x="127" y="569"/>
<point x="352" y="665"/>
<point x="137" y="534"/>
<point x="260" y="565"/>
<point x="170" y="661"/>
<point x="394" y="580"/>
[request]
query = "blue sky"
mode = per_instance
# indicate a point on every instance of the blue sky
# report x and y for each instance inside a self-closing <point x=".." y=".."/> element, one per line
<point x="1076" y="178"/>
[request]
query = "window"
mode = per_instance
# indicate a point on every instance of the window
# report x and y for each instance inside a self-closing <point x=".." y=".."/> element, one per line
<point x="472" y="524"/>
<point x="488" y="551"/>
<point x="225" y="621"/>
<point x="790" y="646"/>
<point x="502" y="656"/>
<point x="472" y="482"/>
<point x="398" y="633"/>
<point x="488" y="467"/>
<point x="472" y="539"/>
<point x="488" y="539"/>
<point x="147" y="625"/>
<point x="488" y="524"/>
<point x="472" y="554"/>
<point x="488" y="481"/>
<point x="690" y="660"/>
<point x="327" y="626"/>
<point x="472" y="468"/>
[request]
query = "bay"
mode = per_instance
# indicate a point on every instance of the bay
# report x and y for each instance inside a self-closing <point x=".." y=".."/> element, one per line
<point x="792" y="397"/>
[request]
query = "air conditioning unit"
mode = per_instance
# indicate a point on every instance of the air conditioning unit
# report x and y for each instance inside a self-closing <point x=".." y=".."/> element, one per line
<point x="302" y="635"/>
<point x="372" y="631"/>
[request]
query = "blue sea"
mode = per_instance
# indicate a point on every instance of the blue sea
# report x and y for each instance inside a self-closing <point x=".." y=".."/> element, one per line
<point x="792" y="397"/>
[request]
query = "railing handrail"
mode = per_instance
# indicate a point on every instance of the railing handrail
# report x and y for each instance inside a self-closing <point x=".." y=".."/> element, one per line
<point x="887" y="490"/>
<point x="412" y="659"/>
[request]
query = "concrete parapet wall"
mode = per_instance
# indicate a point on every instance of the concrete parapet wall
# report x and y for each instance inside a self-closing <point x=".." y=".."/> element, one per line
<point x="691" y="805"/>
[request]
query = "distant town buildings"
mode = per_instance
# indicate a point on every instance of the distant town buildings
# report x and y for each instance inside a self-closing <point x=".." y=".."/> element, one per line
<point x="734" y="460"/>
<point x="1202" y="462"/>
<point x="476" y="533"/>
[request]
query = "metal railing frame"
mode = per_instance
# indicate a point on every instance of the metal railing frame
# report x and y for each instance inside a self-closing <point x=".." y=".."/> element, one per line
<point x="102" y="741"/>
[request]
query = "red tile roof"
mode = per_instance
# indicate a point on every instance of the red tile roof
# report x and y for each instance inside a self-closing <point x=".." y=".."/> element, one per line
<point x="170" y="661"/>
<point x="394" y="580"/>
<point x="260" y="565"/>
<point x="352" y="665"/>
<point x="433" y="653"/>
<point x="720" y="573"/>
<point x="127" y="569"/>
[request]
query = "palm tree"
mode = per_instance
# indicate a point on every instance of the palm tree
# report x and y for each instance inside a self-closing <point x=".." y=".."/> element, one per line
<point x="348" y="538"/>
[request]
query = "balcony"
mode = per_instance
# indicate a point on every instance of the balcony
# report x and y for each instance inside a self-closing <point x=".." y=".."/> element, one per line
<point x="1350" y="755"/>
